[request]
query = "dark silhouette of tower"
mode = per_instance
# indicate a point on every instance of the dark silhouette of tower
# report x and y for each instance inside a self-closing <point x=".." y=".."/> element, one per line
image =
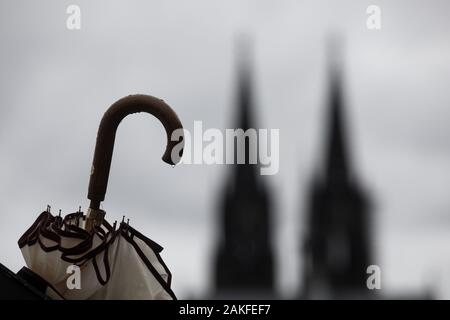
<point x="337" y="246"/>
<point x="244" y="262"/>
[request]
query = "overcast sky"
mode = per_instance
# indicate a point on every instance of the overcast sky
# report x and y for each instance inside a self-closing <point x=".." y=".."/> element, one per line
<point x="55" y="85"/>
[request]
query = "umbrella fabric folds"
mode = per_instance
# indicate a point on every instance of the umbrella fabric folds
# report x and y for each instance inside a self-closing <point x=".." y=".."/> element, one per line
<point x="115" y="262"/>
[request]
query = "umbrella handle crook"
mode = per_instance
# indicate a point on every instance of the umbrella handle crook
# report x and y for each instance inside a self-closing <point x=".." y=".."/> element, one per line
<point x="107" y="132"/>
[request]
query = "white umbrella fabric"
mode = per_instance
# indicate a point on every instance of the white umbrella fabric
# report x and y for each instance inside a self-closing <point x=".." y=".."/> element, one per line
<point x="115" y="262"/>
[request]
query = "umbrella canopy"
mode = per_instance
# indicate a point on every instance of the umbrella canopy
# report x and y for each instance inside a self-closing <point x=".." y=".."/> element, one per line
<point x="115" y="262"/>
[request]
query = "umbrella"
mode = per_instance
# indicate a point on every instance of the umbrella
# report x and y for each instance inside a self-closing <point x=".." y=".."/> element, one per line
<point x="113" y="261"/>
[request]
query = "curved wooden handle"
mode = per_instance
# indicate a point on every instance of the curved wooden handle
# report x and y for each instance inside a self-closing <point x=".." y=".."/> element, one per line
<point x="107" y="132"/>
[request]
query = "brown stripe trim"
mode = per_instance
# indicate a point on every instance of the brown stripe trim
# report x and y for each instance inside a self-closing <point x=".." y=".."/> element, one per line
<point x="151" y="268"/>
<point x="156" y="248"/>
<point x="50" y="227"/>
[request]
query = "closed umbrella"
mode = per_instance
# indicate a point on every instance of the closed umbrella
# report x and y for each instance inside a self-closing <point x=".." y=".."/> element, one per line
<point x="115" y="261"/>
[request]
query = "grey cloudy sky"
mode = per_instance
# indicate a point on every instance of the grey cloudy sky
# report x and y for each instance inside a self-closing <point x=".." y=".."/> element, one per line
<point x="55" y="85"/>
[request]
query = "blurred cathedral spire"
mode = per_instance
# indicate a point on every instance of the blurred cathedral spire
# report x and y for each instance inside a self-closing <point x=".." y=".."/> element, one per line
<point x="244" y="260"/>
<point x="337" y="245"/>
<point x="337" y="161"/>
<point x="244" y="83"/>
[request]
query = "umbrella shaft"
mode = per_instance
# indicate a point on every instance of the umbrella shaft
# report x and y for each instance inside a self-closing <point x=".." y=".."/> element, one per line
<point x="95" y="204"/>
